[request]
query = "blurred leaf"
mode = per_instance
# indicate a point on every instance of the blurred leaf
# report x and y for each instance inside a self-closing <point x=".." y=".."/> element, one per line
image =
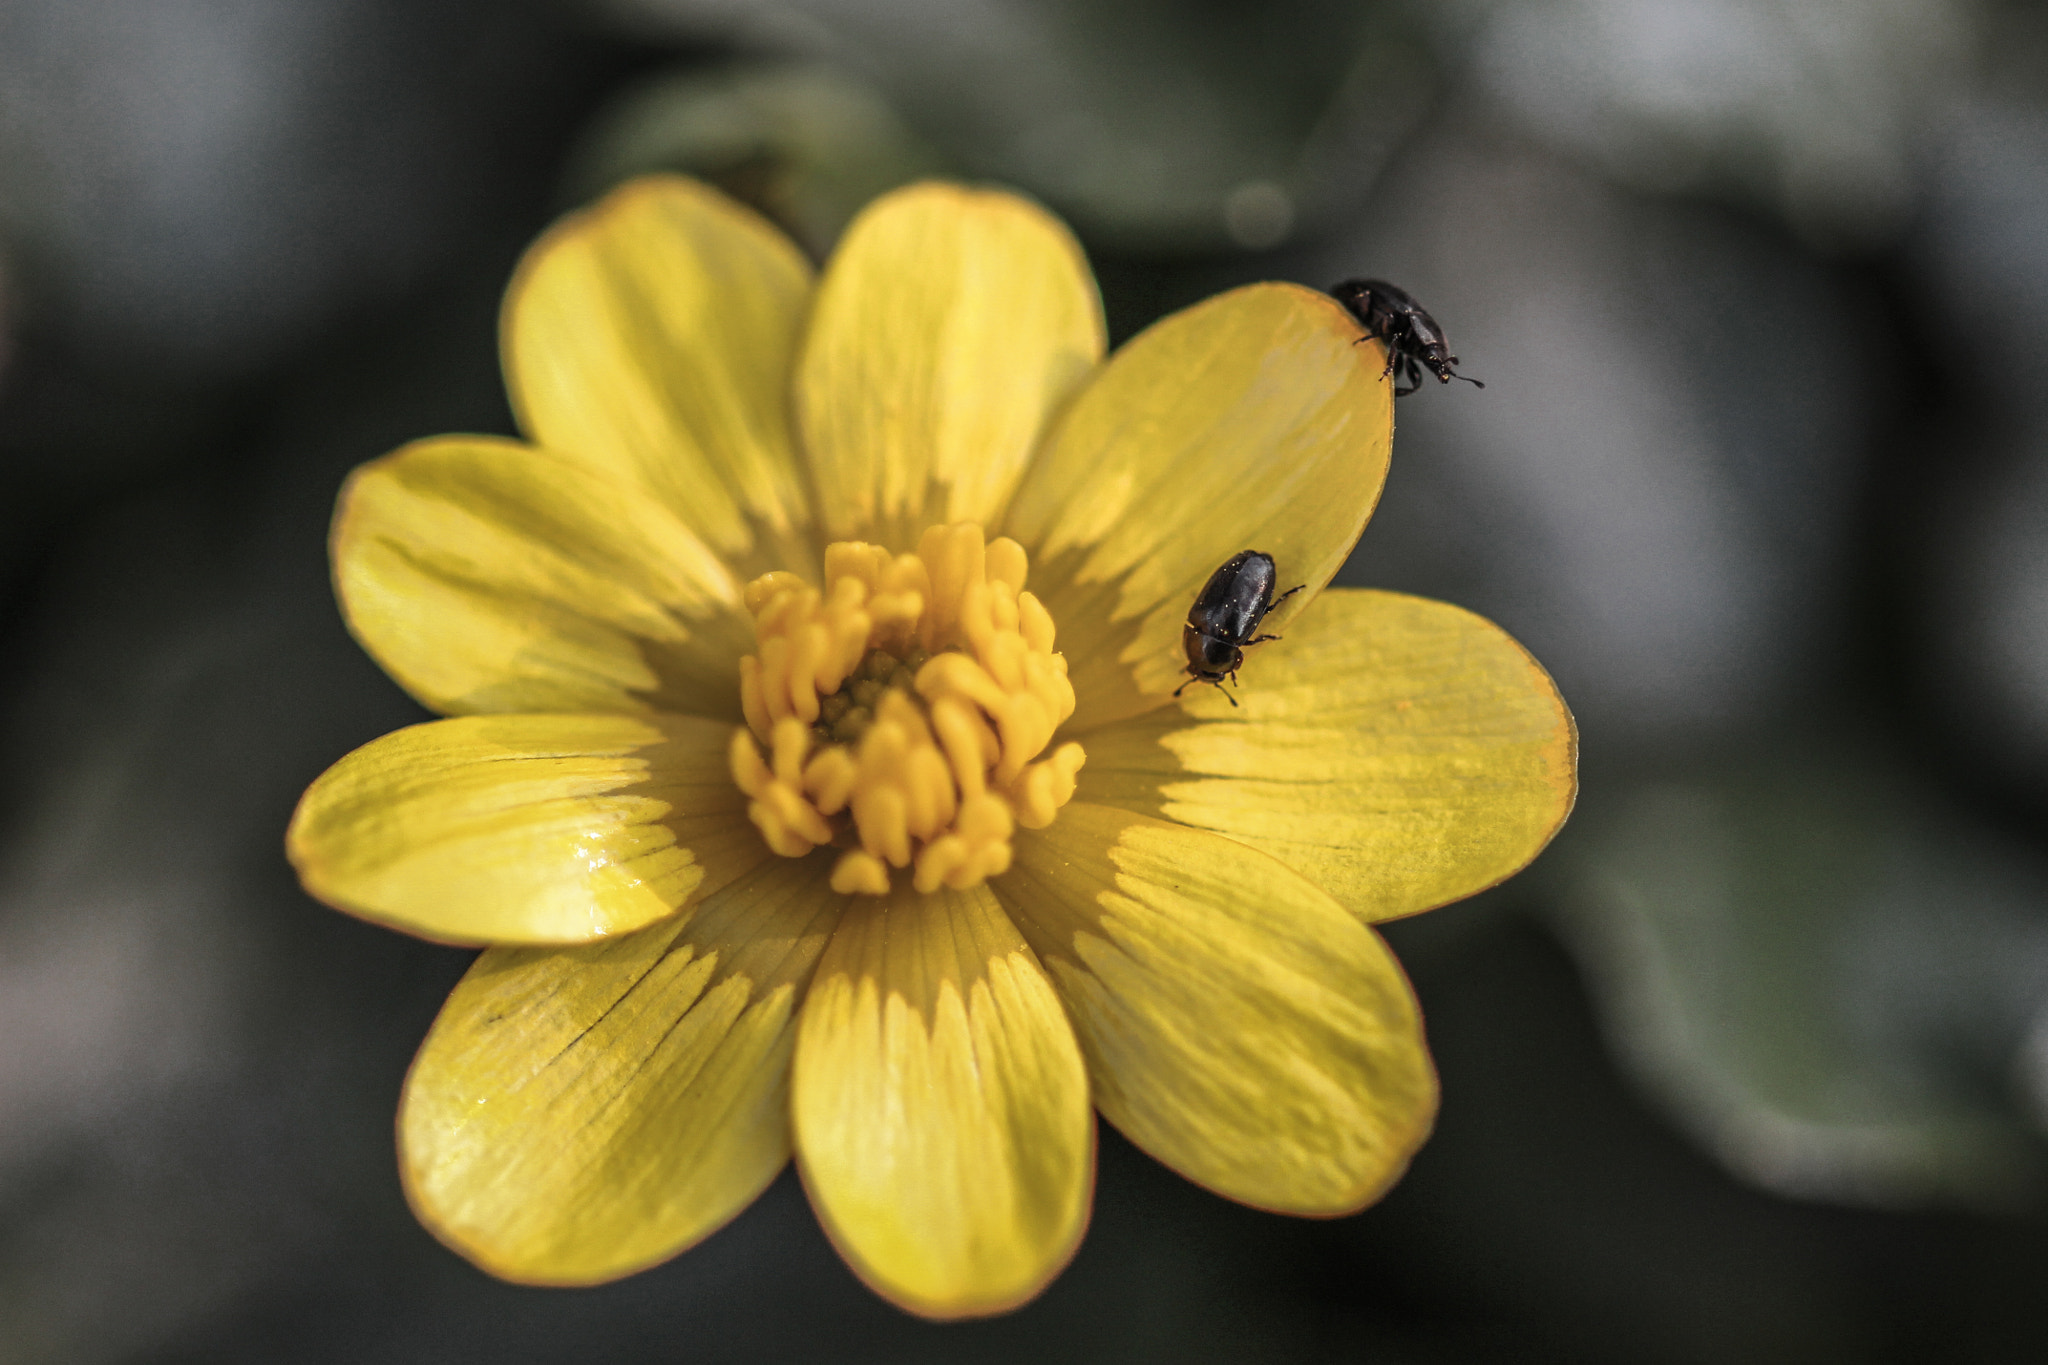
<point x="807" y="145"/>
<point x="1150" y="124"/>
<point x="1824" y="976"/>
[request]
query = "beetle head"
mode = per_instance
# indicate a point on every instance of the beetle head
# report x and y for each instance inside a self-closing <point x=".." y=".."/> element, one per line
<point x="1444" y="365"/>
<point x="1221" y="657"/>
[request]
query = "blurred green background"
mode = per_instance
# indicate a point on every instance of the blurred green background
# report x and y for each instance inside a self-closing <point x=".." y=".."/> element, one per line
<point x="1751" y="1067"/>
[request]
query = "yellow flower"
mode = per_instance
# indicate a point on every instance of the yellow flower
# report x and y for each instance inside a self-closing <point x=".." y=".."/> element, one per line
<point x="774" y="656"/>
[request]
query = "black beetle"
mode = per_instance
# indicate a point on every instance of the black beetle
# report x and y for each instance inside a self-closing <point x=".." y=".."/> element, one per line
<point x="1221" y="622"/>
<point x="1413" y="340"/>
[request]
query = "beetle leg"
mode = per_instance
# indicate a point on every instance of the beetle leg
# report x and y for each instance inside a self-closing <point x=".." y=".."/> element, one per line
<point x="1259" y="640"/>
<point x="1285" y="595"/>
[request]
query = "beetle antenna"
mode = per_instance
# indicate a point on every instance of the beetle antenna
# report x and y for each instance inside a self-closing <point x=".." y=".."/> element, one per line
<point x="1469" y="380"/>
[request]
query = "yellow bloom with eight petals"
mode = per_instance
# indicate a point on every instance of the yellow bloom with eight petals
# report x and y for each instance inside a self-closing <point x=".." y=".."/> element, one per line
<point x="812" y="775"/>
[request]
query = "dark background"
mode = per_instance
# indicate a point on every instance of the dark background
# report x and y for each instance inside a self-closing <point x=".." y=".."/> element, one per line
<point x="1751" y="1067"/>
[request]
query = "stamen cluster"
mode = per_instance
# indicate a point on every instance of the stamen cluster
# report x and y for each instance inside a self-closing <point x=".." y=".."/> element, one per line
<point x="903" y="709"/>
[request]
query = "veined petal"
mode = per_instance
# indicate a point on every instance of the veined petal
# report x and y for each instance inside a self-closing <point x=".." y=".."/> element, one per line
<point x="1239" y="1024"/>
<point x="485" y="576"/>
<point x="577" y="1114"/>
<point x="1247" y="422"/>
<point x="526" y="829"/>
<point x="651" y="337"/>
<point x="949" y="325"/>
<point x="941" y="1106"/>
<point x="1400" y="753"/>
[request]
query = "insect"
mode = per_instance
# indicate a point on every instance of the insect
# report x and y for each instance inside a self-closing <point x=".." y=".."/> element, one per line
<point x="1413" y="339"/>
<point x="1221" y="622"/>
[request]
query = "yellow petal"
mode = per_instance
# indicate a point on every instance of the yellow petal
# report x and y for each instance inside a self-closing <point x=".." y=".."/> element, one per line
<point x="486" y="576"/>
<point x="525" y="829"/>
<point x="1239" y="1025"/>
<point x="941" y="1106"/>
<point x="1401" y="753"/>
<point x="1247" y="422"/>
<point x="651" y="337"/>
<point x="577" y="1114"/>
<point x="949" y="325"/>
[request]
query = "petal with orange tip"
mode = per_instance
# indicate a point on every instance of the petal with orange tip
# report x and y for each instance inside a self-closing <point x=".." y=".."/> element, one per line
<point x="950" y="324"/>
<point x="488" y="576"/>
<point x="1247" y="422"/>
<point x="941" y="1105"/>
<point x="525" y="829"/>
<point x="651" y="337"/>
<point x="1239" y="1024"/>
<point x="1400" y="753"/>
<point x="579" y="1114"/>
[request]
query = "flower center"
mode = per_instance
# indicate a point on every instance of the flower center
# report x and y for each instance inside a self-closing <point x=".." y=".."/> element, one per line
<point x="899" y="713"/>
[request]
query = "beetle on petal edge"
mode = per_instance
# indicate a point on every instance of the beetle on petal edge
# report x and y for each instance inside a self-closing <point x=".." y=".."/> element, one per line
<point x="1221" y="622"/>
<point x="1412" y="337"/>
